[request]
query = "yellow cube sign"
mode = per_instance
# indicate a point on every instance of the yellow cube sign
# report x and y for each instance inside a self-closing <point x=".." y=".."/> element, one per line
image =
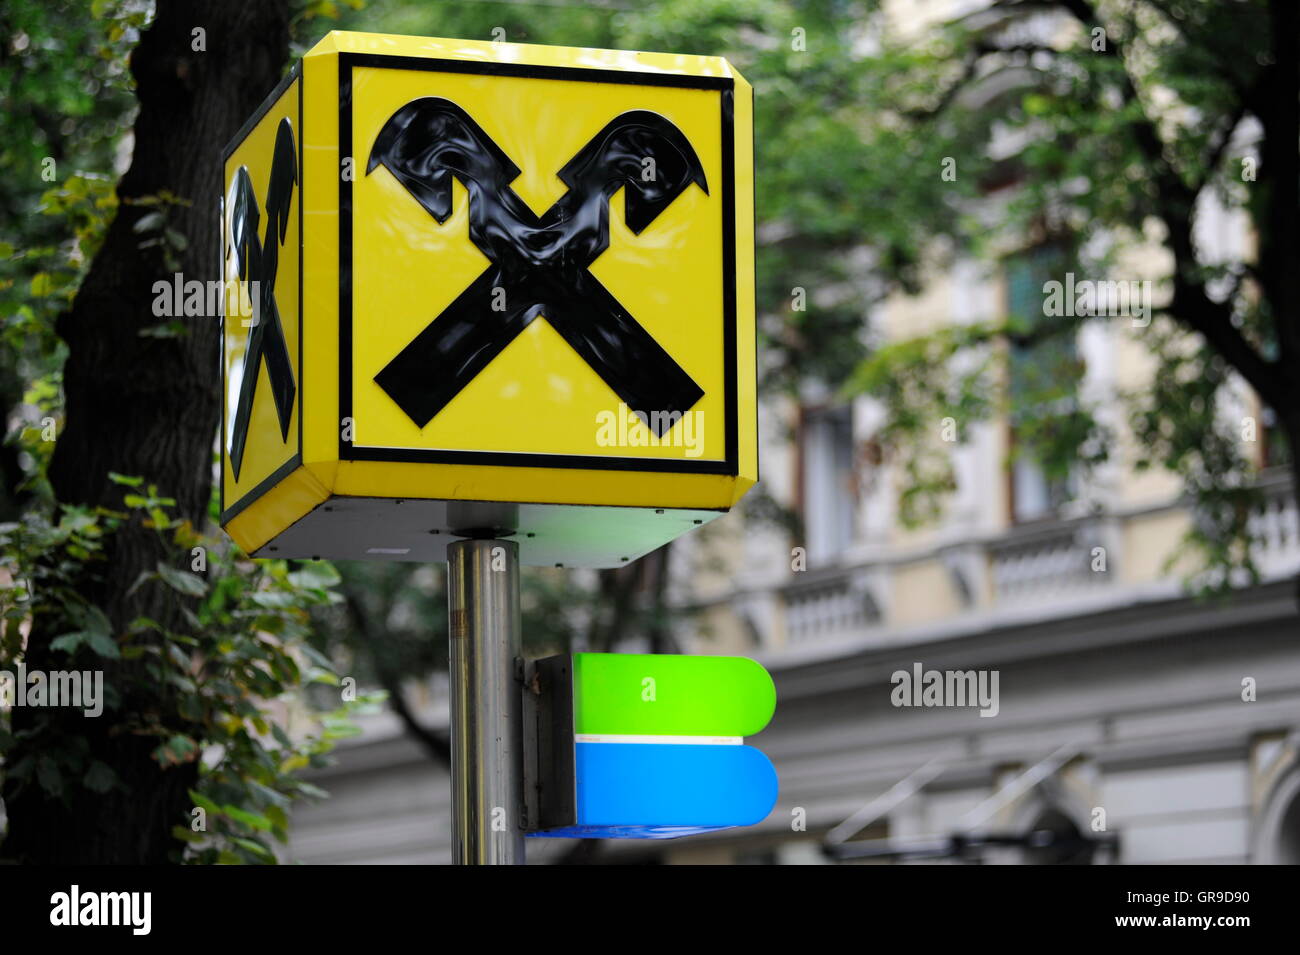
<point x="488" y="289"/>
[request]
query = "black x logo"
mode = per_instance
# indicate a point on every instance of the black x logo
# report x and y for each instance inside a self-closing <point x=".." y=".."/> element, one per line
<point x="538" y="263"/>
<point x="258" y="262"/>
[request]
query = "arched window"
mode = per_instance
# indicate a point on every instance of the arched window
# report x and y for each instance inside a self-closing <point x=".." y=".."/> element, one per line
<point x="1277" y="835"/>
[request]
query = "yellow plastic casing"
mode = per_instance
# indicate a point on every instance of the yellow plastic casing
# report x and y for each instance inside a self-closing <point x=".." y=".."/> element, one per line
<point x="537" y="445"/>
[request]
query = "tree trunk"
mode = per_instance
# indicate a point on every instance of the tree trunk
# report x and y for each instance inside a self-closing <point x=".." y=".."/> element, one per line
<point x="147" y="406"/>
<point x="1291" y="424"/>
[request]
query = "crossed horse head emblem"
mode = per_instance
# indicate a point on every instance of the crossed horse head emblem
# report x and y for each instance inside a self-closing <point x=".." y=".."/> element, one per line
<point x="538" y="264"/>
<point x="256" y="262"/>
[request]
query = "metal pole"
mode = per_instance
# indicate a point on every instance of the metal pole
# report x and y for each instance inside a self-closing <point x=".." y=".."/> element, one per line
<point x="487" y="768"/>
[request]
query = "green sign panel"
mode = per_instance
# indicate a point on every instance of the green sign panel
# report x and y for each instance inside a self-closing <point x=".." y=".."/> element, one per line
<point x="649" y="746"/>
<point x="619" y="694"/>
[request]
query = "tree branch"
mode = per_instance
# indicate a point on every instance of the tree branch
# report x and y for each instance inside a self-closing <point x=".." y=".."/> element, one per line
<point x="1215" y="155"/>
<point x="1175" y="204"/>
<point x="1279" y="178"/>
<point x="970" y="64"/>
<point x="433" y="743"/>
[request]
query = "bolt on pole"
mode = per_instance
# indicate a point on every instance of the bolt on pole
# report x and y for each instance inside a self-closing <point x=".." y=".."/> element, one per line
<point x="487" y="753"/>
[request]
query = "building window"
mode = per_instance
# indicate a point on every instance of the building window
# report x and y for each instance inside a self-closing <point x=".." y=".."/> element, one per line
<point x="1273" y="452"/>
<point x="1043" y="371"/>
<point x="828" y="485"/>
<point x="1035" y="496"/>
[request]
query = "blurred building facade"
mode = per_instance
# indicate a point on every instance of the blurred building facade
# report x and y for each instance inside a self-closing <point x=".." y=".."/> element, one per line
<point x="1135" y="723"/>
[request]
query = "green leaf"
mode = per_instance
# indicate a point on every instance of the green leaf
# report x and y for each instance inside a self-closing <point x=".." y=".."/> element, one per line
<point x="96" y="632"/>
<point x="177" y="749"/>
<point x="69" y="641"/>
<point x="173" y="329"/>
<point x="280" y="822"/>
<point x="21" y="770"/>
<point x="42" y="284"/>
<point x="308" y="789"/>
<point x="203" y="802"/>
<point x="188" y="835"/>
<point x="100" y="777"/>
<point x="47" y="773"/>
<point x="182" y="581"/>
<point x="250" y="819"/>
<point x="190" y="707"/>
<point x="275" y="798"/>
<point x="317" y="574"/>
<point x="256" y="848"/>
<point x="148" y="222"/>
<point x="104" y="645"/>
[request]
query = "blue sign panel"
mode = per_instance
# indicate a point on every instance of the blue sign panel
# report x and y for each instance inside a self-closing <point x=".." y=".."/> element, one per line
<point x="684" y="788"/>
<point x="631" y="746"/>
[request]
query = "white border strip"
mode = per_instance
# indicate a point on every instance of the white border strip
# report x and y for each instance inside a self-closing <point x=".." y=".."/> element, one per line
<point x="691" y="740"/>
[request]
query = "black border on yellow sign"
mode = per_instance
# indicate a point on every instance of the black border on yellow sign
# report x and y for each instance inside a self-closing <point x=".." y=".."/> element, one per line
<point x="295" y="462"/>
<point x="726" y="89"/>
